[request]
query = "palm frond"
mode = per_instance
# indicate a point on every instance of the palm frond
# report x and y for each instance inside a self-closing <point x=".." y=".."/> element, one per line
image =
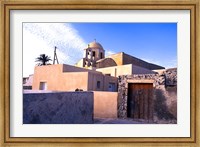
<point x="43" y="60"/>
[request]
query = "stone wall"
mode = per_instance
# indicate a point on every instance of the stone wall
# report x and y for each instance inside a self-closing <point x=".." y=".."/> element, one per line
<point x="171" y="77"/>
<point x="164" y="94"/>
<point x="58" y="108"/>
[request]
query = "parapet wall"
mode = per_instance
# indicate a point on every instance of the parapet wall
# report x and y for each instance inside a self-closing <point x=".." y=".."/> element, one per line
<point x="49" y="107"/>
<point x="105" y="104"/>
<point x="58" y="108"/>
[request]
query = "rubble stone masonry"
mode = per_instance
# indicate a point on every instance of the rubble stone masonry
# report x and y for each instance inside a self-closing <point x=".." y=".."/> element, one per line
<point x="164" y="94"/>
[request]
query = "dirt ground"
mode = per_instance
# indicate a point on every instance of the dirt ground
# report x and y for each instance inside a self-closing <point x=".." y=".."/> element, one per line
<point x="120" y="121"/>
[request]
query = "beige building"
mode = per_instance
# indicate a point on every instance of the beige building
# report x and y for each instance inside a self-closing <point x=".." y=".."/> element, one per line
<point x="123" y="85"/>
<point x="116" y="64"/>
<point x="95" y="58"/>
<point x="62" y="77"/>
<point x="94" y="72"/>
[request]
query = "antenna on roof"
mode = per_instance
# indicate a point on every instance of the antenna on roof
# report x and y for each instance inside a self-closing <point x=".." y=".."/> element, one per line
<point x="55" y="56"/>
<point x="94" y="40"/>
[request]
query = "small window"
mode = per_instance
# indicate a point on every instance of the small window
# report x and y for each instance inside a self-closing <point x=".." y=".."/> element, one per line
<point x="93" y="53"/>
<point x="24" y="80"/>
<point x="43" y="85"/>
<point x="111" y="87"/>
<point x="108" y="74"/>
<point x="98" y="84"/>
<point x="101" y="55"/>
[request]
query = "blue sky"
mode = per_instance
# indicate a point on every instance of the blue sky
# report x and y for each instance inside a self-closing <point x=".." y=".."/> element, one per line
<point x="152" y="42"/>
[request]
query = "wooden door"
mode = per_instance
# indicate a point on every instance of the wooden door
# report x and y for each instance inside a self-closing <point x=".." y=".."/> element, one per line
<point x="140" y="98"/>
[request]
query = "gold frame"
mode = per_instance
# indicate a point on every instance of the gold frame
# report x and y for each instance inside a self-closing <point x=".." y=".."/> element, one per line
<point x="7" y="5"/>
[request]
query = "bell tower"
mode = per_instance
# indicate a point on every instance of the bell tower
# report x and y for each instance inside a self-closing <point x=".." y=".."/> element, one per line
<point x="93" y="52"/>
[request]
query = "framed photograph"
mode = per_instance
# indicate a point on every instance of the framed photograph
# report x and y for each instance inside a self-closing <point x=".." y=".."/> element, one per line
<point x="100" y="73"/>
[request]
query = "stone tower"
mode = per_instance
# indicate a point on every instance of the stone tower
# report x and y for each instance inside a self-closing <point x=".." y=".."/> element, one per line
<point x="93" y="52"/>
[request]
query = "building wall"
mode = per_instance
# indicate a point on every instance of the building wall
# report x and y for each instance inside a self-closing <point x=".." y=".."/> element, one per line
<point x="58" y="108"/>
<point x="123" y="59"/>
<point x="116" y="71"/>
<point x="141" y="70"/>
<point x="70" y="68"/>
<point x="57" y="80"/>
<point x="110" y="79"/>
<point x="171" y="77"/>
<point x="46" y="73"/>
<point x="118" y="58"/>
<point x="106" y="62"/>
<point x="92" y="82"/>
<point x="28" y="82"/>
<point x="164" y="94"/>
<point x="128" y="69"/>
<point x="104" y="80"/>
<point x="127" y="59"/>
<point x="105" y="104"/>
<point x="71" y="79"/>
<point x="79" y="63"/>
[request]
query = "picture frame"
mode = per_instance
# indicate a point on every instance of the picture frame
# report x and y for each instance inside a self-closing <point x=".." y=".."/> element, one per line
<point x="6" y="6"/>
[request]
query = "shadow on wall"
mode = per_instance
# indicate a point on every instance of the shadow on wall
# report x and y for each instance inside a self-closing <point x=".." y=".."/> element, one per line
<point x="106" y="62"/>
<point x="58" y="108"/>
<point x="165" y="111"/>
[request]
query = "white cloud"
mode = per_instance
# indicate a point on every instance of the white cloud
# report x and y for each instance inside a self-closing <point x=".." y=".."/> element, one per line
<point x="41" y="38"/>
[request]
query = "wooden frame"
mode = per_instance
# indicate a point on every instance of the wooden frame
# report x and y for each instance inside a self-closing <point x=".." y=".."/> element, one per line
<point x="7" y="5"/>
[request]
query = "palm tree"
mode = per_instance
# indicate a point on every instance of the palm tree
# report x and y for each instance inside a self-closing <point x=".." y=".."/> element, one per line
<point x="43" y="60"/>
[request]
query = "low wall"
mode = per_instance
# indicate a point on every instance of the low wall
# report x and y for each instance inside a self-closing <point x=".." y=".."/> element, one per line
<point x="105" y="104"/>
<point x="58" y="108"/>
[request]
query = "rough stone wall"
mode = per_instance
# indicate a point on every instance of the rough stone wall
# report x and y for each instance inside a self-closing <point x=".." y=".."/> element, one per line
<point x="123" y="89"/>
<point x="171" y="77"/>
<point x="164" y="95"/>
<point x="165" y="104"/>
<point x="58" y="108"/>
